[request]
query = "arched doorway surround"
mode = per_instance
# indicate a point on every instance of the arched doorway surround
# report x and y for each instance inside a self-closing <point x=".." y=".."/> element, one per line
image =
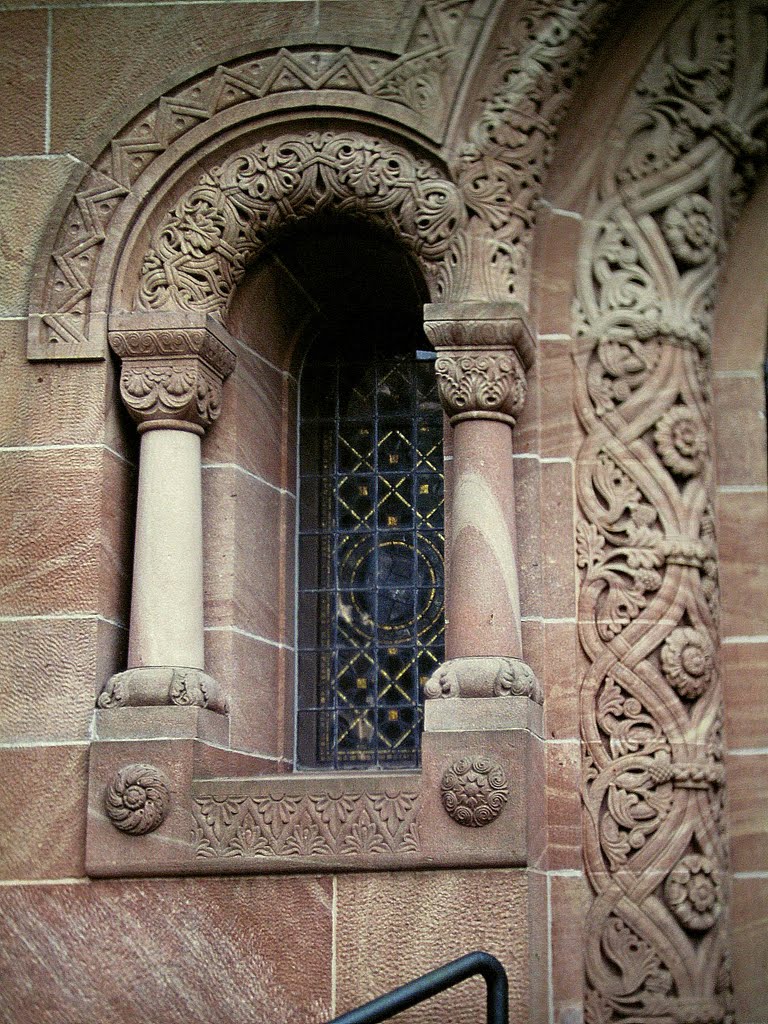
<point x="684" y="151"/>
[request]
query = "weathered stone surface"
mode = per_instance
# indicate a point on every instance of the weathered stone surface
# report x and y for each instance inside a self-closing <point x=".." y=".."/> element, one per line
<point x="747" y="801"/>
<point x="168" y="951"/>
<point x="743" y="549"/>
<point x="58" y="403"/>
<point x="749" y="924"/>
<point x="427" y="918"/>
<point x="246" y="575"/>
<point x="745" y="679"/>
<point x="23" y="57"/>
<point x="64" y="548"/>
<point x="42" y="807"/>
<point x="91" y="77"/>
<point x="30" y="189"/>
<point x="49" y="674"/>
<point x="740" y="431"/>
<point x="259" y="679"/>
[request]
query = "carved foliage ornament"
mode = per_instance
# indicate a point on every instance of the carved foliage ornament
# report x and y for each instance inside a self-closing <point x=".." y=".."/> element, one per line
<point x="309" y="825"/>
<point x="650" y="701"/>
<point x="474" y="791"/>
<point x="415" y="79"/>
<point x="199" y="253"/>
<point x="481" y="385"/>
<point x="172" y="376"/>
<point x="138" y="799"/>
<point x="499" y="169"/>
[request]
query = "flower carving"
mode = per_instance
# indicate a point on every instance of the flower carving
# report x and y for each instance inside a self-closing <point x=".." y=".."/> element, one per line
<point x="138" y="799"/>
<point x="687" y="659"/>
<point x="694" y="893"/>
<point x="474" y="791"/>
<point x="682" y="441"/>
<point x="688" y="229"/>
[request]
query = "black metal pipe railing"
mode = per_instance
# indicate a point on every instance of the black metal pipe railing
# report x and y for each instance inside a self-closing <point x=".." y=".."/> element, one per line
<point x="428" y="985"/>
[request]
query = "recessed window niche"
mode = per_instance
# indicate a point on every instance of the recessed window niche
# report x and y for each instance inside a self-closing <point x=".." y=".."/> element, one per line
<point x="325" y="547"/>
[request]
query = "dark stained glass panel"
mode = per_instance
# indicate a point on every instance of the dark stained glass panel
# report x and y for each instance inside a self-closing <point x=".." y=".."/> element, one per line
<point x="371" y="616"/>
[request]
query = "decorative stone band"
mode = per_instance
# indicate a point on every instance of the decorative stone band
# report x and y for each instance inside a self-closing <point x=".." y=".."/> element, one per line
<point x="483" y="352"/>
<point x="678" y="550"/>
<point x="161" y="686"/>
<point x="138" y="799"/>
<point x="693" y="775"/>
<point x="484" y="677"/>
<point x="173" y="369"/>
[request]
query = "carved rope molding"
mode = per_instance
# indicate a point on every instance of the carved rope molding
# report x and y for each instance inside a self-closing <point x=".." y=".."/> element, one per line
<point x="499" y="170"/>
<point x="655" y="845"/>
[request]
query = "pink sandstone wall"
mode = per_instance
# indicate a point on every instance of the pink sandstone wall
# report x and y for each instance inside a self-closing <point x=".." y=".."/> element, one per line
<point x="276" y="949"/>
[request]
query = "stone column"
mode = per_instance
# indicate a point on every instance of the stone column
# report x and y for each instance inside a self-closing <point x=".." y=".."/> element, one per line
<point x="483" y="352"/>
<point x="173" y="366"/>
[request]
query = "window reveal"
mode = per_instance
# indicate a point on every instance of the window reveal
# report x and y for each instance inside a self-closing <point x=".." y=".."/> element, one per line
<point x="371" y="611"/>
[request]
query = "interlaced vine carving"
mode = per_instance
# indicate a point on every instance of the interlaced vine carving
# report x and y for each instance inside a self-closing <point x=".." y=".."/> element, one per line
<point x="692" y="134"/>
<point x="501" y="166"/>
<point x="200" y="252"/>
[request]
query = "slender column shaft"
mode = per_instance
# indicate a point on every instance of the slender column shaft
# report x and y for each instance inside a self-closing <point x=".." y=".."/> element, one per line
<point x="483" y="603"/>
<point x="173" y="368"/>
<point x="167" y="599"/>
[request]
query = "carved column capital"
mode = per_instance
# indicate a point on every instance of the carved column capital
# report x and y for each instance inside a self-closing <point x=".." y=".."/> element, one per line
<point x="172" y="370"/>
<point x="483" y="352"/>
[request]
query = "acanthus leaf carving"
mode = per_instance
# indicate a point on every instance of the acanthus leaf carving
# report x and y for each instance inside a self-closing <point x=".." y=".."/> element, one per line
<point x="481" y="384"/>
<point x="172" y="375"/>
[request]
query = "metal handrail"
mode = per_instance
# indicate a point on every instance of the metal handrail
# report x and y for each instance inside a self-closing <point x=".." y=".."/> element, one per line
<point x="428" y="985"/>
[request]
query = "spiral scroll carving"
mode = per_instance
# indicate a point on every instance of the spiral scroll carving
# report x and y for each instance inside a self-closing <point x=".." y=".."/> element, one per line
<point x="474" y="791"/>
<point x="138" y="799"/>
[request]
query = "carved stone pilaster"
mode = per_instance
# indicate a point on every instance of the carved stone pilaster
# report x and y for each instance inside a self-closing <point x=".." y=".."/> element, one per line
<point x="483" y="352"/>
<point x="172" y="369"/>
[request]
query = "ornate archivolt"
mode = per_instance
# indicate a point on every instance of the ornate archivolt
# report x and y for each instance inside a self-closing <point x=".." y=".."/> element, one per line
<point x="500" y="159"/>
<point x="484" y="203"/>
<point x="693" y="134"/>
<point x="200" y="252"/>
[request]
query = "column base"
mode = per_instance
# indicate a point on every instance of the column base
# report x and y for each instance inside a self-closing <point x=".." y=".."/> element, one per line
<point x="161" y="686"/>
<point x="484" y="677"/>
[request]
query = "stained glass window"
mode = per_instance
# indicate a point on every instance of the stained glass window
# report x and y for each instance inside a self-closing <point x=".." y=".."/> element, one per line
<point x="371" y="617"/>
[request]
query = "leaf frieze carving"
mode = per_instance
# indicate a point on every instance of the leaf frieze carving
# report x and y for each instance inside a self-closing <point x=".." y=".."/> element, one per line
<point x="307" y="826"/>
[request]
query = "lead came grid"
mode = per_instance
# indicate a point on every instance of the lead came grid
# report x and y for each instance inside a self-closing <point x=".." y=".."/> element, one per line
<point x="371" y="615"/>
